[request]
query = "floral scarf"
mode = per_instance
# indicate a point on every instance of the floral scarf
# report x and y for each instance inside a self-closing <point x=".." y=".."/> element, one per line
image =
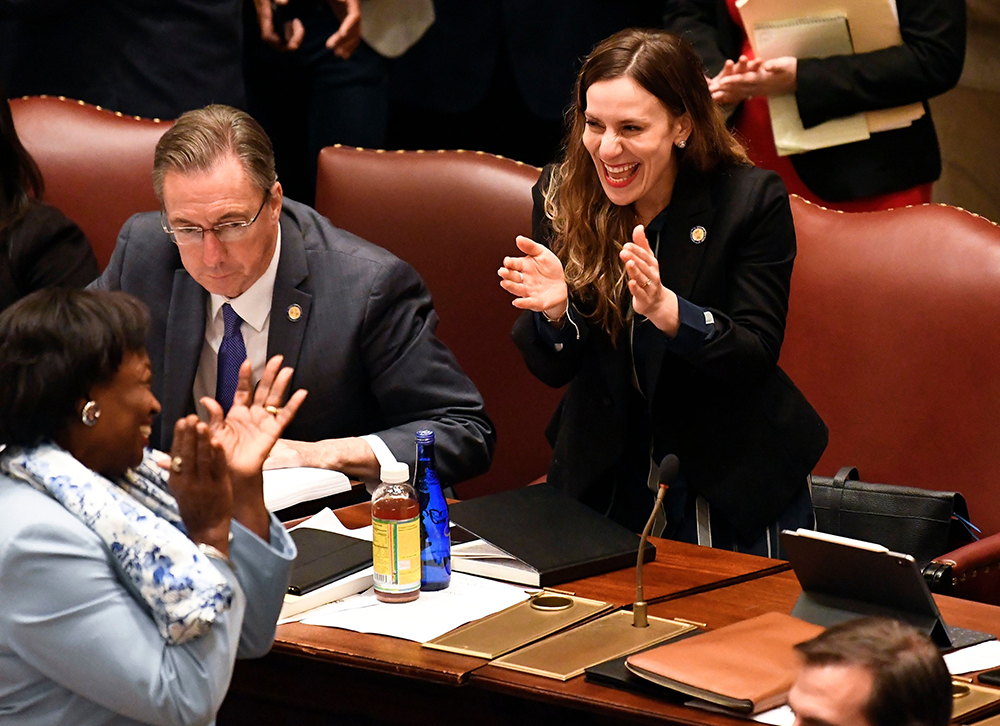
<point x="137" y="518"/>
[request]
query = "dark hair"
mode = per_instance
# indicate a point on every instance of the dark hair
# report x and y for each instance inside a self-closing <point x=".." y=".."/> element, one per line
<point x="201" y="137"/>
<point x="19" y="173"/>
<point x="589" y="229"/>
<point x="55" y="345"/>
<point x="910" y="682"/>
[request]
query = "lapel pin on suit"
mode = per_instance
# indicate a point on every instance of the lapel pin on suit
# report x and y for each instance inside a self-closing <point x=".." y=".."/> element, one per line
<point x="698" y="234"/>
<point x="294" y="312"/>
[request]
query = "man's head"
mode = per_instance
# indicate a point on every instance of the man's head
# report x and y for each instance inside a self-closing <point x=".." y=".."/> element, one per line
<point x="213" y="171"/>
<point x="871" y="672"/>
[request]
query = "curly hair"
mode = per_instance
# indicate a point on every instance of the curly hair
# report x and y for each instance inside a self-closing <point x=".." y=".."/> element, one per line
<point x="55" y="346"/>
<point x="589" y="230"/>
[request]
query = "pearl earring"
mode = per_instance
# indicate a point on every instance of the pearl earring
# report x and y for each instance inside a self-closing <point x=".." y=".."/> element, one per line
<point x="682" y="143"/>
<point x="91" y="412"/>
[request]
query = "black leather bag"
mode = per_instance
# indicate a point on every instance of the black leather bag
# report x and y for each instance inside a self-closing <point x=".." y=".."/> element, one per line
<point x="918" y="522"/>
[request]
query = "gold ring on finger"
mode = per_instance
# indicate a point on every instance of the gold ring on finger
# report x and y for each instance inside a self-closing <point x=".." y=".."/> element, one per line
<point x="522" y="277"/>
<point x="177" y="465"/>
<point x="273" y="410"/>
<point x="647" y="283"/>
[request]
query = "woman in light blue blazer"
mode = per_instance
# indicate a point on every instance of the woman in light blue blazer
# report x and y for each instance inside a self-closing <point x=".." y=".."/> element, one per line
<point x="130" y="583"/>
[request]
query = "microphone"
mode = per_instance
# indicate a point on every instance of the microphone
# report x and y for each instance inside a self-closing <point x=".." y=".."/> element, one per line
<point x="668" y="472"/>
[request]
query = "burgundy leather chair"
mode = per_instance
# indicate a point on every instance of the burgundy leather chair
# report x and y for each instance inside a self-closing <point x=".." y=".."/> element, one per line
<point x="453" y="215"/>
<point x="893" y="335"/>
<point x="97" y="164"/>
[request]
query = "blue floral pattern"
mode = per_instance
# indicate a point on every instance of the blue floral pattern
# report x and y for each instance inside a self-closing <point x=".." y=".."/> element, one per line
<point x="139" y="521"/>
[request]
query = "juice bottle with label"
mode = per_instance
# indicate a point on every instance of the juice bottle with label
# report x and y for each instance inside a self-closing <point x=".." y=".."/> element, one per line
<point x="396" y="536"/>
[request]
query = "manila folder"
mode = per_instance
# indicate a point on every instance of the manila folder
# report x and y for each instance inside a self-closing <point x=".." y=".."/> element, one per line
<point x="817" y="37"/>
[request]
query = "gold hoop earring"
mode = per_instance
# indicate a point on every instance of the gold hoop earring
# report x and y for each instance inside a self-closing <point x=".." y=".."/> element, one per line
<point x="91" y="412"/>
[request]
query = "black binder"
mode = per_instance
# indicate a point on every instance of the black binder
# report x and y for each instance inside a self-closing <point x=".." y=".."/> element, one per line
<point x="324" y="557"/>
<point x="841" y="581"/>
<point x="551" y="532"/>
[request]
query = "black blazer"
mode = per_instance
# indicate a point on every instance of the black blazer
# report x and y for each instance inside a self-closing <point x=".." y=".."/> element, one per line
<point x="745" y="436"/>
<point x="43" y="249"/>
<point x="928" y="63"/>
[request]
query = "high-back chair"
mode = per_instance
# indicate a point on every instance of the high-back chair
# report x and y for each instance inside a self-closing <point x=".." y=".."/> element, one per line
<point x="894" y="336"/>
<point x="97" y="164"/>
<point x="453" y="215"/>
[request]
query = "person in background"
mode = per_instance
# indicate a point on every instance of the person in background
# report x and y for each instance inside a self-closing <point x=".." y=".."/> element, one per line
<point x="497" y="75"/>
<point x="128" y="591"/>
<point x="657" y="287"/>
<point x="231" y="269"/>
<point x="39" y="246"/>
<point x="871" y="672"/>
<point x="892" y="168"/>
<point x="149" y="58"/>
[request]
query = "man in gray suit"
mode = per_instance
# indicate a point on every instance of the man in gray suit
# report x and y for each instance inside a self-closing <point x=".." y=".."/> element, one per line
<point x="230" y="270"/>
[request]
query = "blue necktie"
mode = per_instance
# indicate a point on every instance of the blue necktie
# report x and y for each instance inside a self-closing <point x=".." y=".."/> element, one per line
<point x="232" y="353"/>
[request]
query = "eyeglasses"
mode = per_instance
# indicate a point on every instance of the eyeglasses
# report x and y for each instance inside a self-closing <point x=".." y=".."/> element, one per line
<point x="226" y="232"/>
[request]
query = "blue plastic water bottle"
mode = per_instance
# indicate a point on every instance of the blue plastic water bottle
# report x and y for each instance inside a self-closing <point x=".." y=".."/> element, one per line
<point x="435" y="537"/>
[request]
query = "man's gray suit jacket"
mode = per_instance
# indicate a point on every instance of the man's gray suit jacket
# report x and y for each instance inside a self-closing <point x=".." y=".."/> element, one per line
<point x="363" y="345"/>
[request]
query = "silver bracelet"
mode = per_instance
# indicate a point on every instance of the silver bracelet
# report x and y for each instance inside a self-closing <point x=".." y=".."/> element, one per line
<point x="215" y="553"/>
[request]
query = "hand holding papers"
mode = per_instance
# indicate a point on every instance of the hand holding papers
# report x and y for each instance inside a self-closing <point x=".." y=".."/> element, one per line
<point x="778" y="26"/>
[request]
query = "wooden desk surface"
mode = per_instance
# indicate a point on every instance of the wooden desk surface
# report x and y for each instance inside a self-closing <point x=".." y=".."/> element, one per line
<point x="315" y="674"/>
<point x="723" y="606"/>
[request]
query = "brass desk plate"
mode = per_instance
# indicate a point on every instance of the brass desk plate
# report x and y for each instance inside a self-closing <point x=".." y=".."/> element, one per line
<point x="568" y="654"/>
<point x="518" y="625"/>
<point x="969" y="697"/>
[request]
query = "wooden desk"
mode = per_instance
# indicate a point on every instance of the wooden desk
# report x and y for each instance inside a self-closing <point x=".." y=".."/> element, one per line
<point x="719" y="607"/>
<point x="313" y="673"/>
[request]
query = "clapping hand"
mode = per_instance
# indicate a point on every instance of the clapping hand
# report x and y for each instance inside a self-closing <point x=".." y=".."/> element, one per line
<point x="747" y="78"/>
<point x="536" y="280"/>
<point x="649" y="297"/>
<point x="200" y="483"/>
<point x="247" y="433"/>
<point x="256" y="419"/>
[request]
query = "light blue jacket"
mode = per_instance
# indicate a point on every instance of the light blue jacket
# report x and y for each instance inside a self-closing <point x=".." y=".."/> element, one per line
<point x="77" y="644"/>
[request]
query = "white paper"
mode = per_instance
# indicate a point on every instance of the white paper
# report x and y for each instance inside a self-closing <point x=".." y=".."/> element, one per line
<point x="431" y="615"/>
<point x="287" y="487"/>
<point x="974" y="658"/>
<point x="780" y="716"/>
<point x="327" y="521"/>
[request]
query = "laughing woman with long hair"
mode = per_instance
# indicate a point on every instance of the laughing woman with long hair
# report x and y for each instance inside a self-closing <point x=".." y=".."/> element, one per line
<point x="656" y="286"/>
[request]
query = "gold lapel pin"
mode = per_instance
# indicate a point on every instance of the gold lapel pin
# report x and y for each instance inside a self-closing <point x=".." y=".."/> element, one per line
<point x="294" y="312"/>
<point x="698" y="234"/>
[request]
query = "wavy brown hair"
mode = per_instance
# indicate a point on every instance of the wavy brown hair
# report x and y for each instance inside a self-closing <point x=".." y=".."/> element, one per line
<point x="589" y="230"/>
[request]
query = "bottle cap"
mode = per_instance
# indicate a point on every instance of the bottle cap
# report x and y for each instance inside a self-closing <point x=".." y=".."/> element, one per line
<point x="425" y="436"/>
<point x="395" y="473"/>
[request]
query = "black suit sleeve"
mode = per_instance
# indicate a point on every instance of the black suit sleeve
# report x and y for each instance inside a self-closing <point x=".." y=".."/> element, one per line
<point x="417" y="381"/>
<point x="751" y="327"/>
<point x="928" y="63"/>
<point x="551" y="367"/>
